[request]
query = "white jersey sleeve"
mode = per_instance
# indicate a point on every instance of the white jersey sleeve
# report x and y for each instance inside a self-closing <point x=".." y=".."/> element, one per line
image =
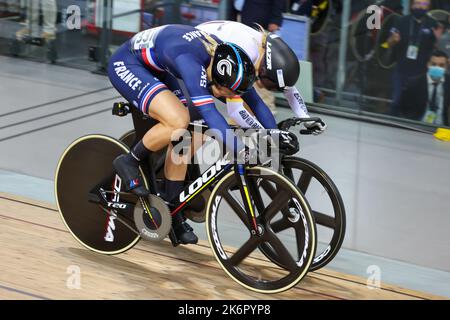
<point x="249" y="39"/>
<point x="237" y="112"/>
<point x="296" y="102"/>
<point x="240" y="115"/>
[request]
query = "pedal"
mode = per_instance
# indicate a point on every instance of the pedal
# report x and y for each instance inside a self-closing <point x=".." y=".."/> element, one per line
<point x="121" y="109"/>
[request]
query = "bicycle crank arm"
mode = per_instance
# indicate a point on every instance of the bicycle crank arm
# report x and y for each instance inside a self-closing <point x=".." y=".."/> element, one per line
<point x="101" y="199"/>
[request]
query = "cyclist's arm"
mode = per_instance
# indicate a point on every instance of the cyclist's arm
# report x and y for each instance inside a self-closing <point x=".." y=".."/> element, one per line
<point x="240" y="115"/>
<point x="193" y="74"/>
<point x="245" y="119"/>
<point x="296" y="102"/>
<point x="260" y="109"/>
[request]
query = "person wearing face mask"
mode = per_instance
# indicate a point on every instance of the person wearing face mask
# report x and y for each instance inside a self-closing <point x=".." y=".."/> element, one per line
<point x="413" y="39"/>
<point x="438" y="89"/>
<point x="426" y="97"/>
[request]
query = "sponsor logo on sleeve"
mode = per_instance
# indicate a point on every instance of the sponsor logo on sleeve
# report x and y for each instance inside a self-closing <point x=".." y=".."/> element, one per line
<point x="269" y="56"/>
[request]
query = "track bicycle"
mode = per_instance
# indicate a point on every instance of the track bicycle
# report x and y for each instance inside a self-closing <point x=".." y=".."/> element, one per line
<point x="239" y="213"/>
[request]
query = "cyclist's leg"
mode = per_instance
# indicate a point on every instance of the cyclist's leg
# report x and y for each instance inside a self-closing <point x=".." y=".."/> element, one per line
<point x="197" y="138"/>
<point x="174" y="172"/>
<point x="154" y="98"/>
<point x="145" y="91"/>
<point x="176" y="164"/>
<point x="172" y="115"/>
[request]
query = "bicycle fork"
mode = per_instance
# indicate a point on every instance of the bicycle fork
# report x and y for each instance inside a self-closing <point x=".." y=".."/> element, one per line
<point x="248" y="204"/>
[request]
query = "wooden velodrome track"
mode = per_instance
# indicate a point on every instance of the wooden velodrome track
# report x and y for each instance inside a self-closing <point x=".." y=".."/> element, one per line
<point x="36" y="251"/>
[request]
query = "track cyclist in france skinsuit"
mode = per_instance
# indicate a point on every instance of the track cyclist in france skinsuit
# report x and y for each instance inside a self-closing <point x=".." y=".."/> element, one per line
<point x="277" y="67"/>
<point x="146" y="69"/>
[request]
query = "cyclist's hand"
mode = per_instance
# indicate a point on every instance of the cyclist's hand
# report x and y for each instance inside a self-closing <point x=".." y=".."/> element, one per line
<point x="316" y="127"/>
<point x="288" y="142"/>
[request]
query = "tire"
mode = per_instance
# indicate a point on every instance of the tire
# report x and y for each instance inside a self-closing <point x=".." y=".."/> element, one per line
<point x="128" y="138"/>
<point x="85" y="163"/>
<point x="240" y="270"/>
<point x="332" y="245"/>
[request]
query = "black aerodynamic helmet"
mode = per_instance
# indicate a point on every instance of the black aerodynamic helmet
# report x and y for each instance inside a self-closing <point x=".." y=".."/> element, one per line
<point x="280" y="67"/>
<point x="232" y="68"/>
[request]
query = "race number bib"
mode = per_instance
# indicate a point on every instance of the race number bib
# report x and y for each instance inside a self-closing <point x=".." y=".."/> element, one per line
<point x="412" y="52"/>
<point x="146" y="38"/>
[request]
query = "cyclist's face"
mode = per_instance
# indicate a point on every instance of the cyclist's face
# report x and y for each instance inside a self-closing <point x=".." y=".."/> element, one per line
<point x="263" y="81"/>
<point x="267" y="84"/>
<point x="219" y="91"/>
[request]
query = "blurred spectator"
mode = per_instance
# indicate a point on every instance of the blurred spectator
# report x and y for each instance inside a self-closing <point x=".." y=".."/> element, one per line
<point x="444" y="42"/>
<point x="238" y="5"/>
<point x="440" y="4"/>
<point x="268" y="14"/>
<point x="49" y="14"/>
<point x="318" y="46"/>
<point x="234" y="9"/>
<point x="303" y="7"/>
<point x="413" y="37"/>
<point x="427" y="97"/>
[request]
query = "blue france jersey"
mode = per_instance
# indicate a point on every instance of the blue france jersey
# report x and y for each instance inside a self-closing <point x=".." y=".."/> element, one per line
<point x="177" y="49"/>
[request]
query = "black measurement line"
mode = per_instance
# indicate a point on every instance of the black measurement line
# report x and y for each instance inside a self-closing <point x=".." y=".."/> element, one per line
<point x="54" y="101"/>
<point x="56" y="124"/>
<point x="58" y="112"/>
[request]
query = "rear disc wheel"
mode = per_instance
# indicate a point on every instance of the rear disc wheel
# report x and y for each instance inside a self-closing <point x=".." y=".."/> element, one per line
<point x="83" y="165"/>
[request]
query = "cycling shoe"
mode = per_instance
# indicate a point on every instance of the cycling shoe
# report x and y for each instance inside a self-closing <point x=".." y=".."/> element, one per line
<point x="184" y="232"/>
<point x="129" y="172"/>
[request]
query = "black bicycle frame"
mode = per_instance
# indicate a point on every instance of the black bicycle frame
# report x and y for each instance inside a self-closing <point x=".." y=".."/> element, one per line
<point x="213" y="174"/>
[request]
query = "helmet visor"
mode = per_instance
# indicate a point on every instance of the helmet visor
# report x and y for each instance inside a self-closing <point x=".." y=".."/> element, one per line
<point x="245" y="86"/>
